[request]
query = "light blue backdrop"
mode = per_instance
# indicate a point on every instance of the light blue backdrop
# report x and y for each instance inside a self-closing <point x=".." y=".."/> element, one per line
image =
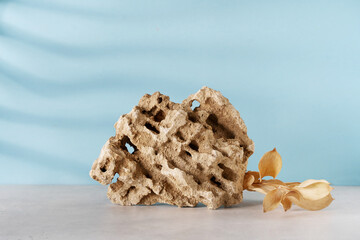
<point x="69" y="69"/>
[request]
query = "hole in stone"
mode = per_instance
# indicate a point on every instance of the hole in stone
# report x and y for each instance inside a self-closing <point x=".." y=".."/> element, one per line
<point x="159" y="116"/>
<point x="156" y="152"/>
<point x="214" y="182"/>
<point x="130" y="189"/>
<point x="179" y="135"/>
<point x="127" y="145"/>
<point x="104" y="166"/>
<point x="158" y="166"/>
<point x="194" y="146"/>
<point x="185" y="155"/>
<point x="196" y="180"/>
<point x="129" y="148"/>
<point x="150" y="112"/>
<point x="192" y="116"/>
<point x="199" y="167"/>
<point x="151" y="128"/>
<point x="147" y="175"/>
<point x="115" y="178"/>
<point x="159" y="99"/>
<point x="171" y="164"/>
<point x="212" y="120"/>
<point x="195" y="104"/>
<point x="219" y="130"/>
<point x="227" y="172"/>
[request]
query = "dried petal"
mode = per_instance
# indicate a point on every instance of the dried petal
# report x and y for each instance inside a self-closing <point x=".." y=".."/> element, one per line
<point x="270" y="164"/>
<point x="248" y="181"/>
<point x="273" y="199"/>
<point x="250" y="178"/>
<point x="312" y="205"/>
<point x="286" y="203"/>
<point x="255" y="174"/>
<point x="262" y="188"/>
<point x="311" y="181"/>
<point x="294" y="194"/>
<point x="273" y="182"/>
<point x="292" y="184"/>
<point x="314" y="189"/>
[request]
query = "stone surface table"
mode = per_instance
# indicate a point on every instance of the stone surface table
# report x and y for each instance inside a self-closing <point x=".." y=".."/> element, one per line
<point x="84" y="212"/>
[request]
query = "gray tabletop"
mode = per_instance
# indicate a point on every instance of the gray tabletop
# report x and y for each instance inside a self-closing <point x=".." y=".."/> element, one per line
<point x="84" y="212"/>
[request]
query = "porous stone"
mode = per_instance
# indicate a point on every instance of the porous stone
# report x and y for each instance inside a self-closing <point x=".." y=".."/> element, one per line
<point x="176" y="153"/>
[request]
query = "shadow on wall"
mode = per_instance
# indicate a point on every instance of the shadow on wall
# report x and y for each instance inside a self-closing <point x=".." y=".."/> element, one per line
<point x="16" y="116"/>
<point x="67" y="165"/>
<point x="81" y="51"/>
<point x="46" y="88"/>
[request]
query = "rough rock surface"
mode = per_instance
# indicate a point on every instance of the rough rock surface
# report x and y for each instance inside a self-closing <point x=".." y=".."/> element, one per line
<point x="177" y="154"/>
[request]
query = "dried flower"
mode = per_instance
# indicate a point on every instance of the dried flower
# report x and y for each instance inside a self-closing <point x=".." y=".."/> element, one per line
<point x="270" y="164"/>
<point x="310" y="194"/>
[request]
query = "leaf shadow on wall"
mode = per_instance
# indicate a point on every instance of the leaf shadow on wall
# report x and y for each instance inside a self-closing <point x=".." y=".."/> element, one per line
<point x="66" y="165"/>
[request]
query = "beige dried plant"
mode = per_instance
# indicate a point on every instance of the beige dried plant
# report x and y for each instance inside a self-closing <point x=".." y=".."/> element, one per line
<point x="310" y="194"/>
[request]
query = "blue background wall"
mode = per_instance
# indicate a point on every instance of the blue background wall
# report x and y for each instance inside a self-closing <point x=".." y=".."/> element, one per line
<point x="69" y="69"/>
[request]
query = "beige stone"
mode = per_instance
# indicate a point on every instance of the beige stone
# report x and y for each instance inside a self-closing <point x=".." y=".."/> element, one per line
<point x="181" y="155"/>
